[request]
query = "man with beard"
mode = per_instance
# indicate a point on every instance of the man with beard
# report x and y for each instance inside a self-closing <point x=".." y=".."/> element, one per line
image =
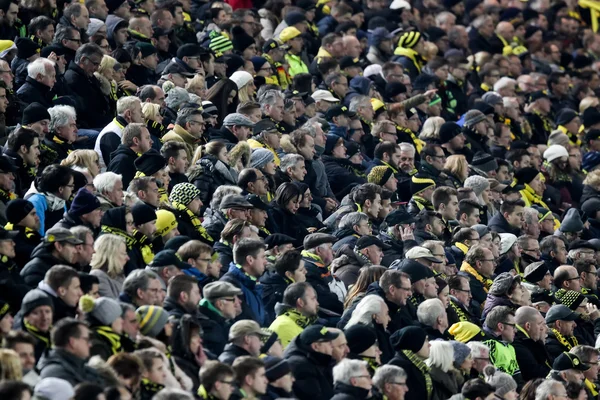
<point x="561" y="324"/>
<point x="298" y="310"/>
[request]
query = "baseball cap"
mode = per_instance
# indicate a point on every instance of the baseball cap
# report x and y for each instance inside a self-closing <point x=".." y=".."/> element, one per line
<point x="421" y="252"/>
<point x="324" y="95"/>
<point x="246" y="327"/>
<point x="560" y="312"/>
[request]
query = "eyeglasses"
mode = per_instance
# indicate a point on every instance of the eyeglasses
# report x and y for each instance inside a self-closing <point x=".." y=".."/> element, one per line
<point x="403" y="288"/>
<point x="507" y="324"/>
<point x="74" y="40"/>
<point x="94" y="63"/>
<point x="464" y="291"/>
<point x="573" y="279"/>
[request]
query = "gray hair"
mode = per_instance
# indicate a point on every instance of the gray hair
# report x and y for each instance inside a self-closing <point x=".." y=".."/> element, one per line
<point x="127" y="103"/>
<point x="574" y="254"/>
<point x="176" y="97"/>
<point x="407" y="147"/>
<point x="61" y="116"/>
<point x="126" y="307"/>
<point x="351" y="219"/>
<point x="441" y="355"/>
<point x="88" y="50"/>
<point x="311" y="126"/>
<point x="429" y="311"/>
<point x="220" y="194"/>
<point x="359" y="101"/>
<point x="173" y="394"/>
<point x="444" y="16"/>
<point x="387" y="374"/>
<point x="363" y="313"/>
<point x="504" y="82"/>
<point x="138" y="279"/>
<point x="106" y="181"/>
<point x="269" y="97"/>
<point x="348" y="369"/>
<point x="530" y="215"/>
<point x="81" y="232"/>
<point x="39" y="67"/>
<point x="548" y="388"/>
<point x="478" y="349"/>
<point x="290" y="160"/>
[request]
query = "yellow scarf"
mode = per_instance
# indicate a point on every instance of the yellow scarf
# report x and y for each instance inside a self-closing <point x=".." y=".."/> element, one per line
<point x="58" y="140"/>
<point x="462" y="247"/>
<point x="415" y="57"/>
<point x="487" y="283"/>
<point x="5" y="196"/>
<point x="145" y="246"/>
<point x="113" y="338"/>
<point x="417" y="142"/>
<point x="591" y="387"/>
<point x="42" y="336"/>
<point x="565" y="341"/>
<point x="530" y="197"/>
<point x="194" y="220"/>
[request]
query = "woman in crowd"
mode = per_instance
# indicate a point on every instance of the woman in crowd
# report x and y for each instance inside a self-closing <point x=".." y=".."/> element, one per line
<point x="285" y="211"/>
<point x="108" y="263"/>
<point x="457" y="169"/>
<point x="84" y="159"/>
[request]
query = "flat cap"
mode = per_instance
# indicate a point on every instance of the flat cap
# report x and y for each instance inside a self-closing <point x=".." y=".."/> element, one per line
<point x="237" y="119"/>
<point x="316" y="239"/>
<point x="219" y="289"/>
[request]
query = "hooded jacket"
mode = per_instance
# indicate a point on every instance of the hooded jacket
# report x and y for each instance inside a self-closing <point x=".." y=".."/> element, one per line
<point x="41" y="261"/>
<point x="359" y="86"/>
<point x="348" y="265"/>
<point x="252" y="306"/>
<point x="208" y="174"/>
<point x="111" y="23"/>
<point x="499" y="224"/>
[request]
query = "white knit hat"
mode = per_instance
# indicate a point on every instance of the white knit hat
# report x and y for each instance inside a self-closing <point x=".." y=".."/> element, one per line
<point x="507" y="240"/>
<point x="54" y="389"/>
<point x="555" y="151"/>
<point x="241" y="78"/>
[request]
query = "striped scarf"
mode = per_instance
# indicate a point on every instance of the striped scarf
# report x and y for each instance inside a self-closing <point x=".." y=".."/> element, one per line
<point x="113" y="338"/>
<point x="194" y="220"/>
<point x="421" y="366"/>
<point x="42" y="336"/>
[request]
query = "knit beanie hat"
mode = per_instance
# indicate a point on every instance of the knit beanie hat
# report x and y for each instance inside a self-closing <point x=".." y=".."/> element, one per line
<point x="34" y="299"/>
<point x="502" y="382"/>
<point x="448" y="131"/>
<point x="507" y="240"/>
<point x="276" y="368"/>
<point x="84" y="202"/>
<point x="17" y="210"/>
<point x="572" y="222"/>
<point x="241" y="78"/>
<point x="565" y="116"/>
<point x="535" y="272"/>
<point x="219" y="43"/>
<point x="360" y="338"/>
<point x="473" y="117"/>
<point x="555" y="151"/>
<point x="418" y="184"/>
<point x="484" y="162"/>
<point x="502" y="284"/>
<point x="481" y="229"/>
<point x="152" y="320"/>
<point x="165" y="222"/>
<point x="35" y="112"/>
<point x="294" y="18"/>
<point x="150" y="162"/>
<point x="6" y="46"/>
<point x="26" y="48"/>
<point x="461" y="352"/>
<point x="526" y="175"/>
<point x="53" y="389"/>
<point x="409" y="338"/>
<point x="409" y="39"/>
<point x="240" y="39"/>
<point x="184" y="193"/>
<point x="572" y="299"/>
<point x="477" y="183"/>
<point x="466" y="331"/>
<point x="258" y="62"/>
<point x="234" y="63"/>
<point x="380" y="174"/>
<point x="94" y="26"/>
<point x="261" y="157"/>
<point x="103" y="309"/>
<point x="146" y="49"/>
<point x="142" y="213"/>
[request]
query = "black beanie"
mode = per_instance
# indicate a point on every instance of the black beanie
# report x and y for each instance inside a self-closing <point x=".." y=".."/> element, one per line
<point x="276" y="368"/>
<point x="57" y="49"/>
<point x="448" y="131"/>
<point x="26" y="48"/>
<point x="240" y="39"/>
<point x="234" y="62"/>
<point x="84" y="202"/>
<point x="17" y="210"/>
<point x="360" y="338"/>
<point x="142" y="213"/>
<point x="409" y="338"/>
<point x="150" y="162"/>
<point x="35" y="112"/>
<point x="526" y="175"/>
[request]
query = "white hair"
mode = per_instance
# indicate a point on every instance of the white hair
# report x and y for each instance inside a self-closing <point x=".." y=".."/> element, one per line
<point x="478" y="349"/>
<point x="510" y="102"/>
<point x="106" y="181"/>
<point x="348" y="369"/>
<point x="441" y="355"/>
<point x="429" y="311"/>
<point x="127" y="103"/>
<point x="39" y="67"/>
<point x="547" y="388"/>
<point x="407" y="147"/>
<point x="290" y="160"/>
<point x="269" y="97"/>
<point x="363" y="313"/>
<point x="351" y="219"/>
<point x="504" y="82"/>
<point x="387" y="374"/>
<point x="61" y="116"/>
<point x="358" y="102"/>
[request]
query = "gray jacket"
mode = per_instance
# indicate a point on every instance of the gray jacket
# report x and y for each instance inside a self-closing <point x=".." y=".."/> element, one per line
<point x="108" y="287"/>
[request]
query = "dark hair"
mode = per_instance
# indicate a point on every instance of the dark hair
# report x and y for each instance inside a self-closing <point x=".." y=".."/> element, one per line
<point x="246" y="176"/>
<point x="467" y="207"/>
<point x="509" y="206"/>
<point x="127" y="365"/>
<point x="87" y="390"/>
<point x="303" y="83"/>
<point x="15" y="337"/>
<point x="386" y="147"/>
<point x="66" y="329"/>
<point x="213" y="371"/>
<point x="475" y="388"/>
<point x="122" y="56"/>
<point x="286" y="193"/>
<point x="233" y="227"/>
<point x="516" y="155"/>
<point x="10" y="390"/>
<point x="54" y="177"/>
<point x="294" y="292"/>
<point x="60" y="276"/>
<point x="39" y="23"/>
<point x="455" y="282"/>
<point x="21" y="137"/>
<point x="463" y="234"/>
<point x="141" y="183"/>
<point x="147" y="92"/>
<point x="171" y="149"/>
<point x="180" y="284"/>
<point x="87" y="50"/>
<point x="290" y="261"/>
<point x="426" y="217"/>
<point x="244" y="366"/>
<point x="364" y="192"/>
<point x="246" y="247"/>
<point x="392" y="277"/>
<point x="442" y="195"/>
<point x="550" y="243"/>
<point x="218" y="95"/>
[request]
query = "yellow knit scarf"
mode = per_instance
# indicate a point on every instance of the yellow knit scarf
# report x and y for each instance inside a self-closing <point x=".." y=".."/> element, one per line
<point x="113" y="338"/>
<point x="565" y="341"/>
<point x="487" y="283"/>
<point x="194" y="220"/>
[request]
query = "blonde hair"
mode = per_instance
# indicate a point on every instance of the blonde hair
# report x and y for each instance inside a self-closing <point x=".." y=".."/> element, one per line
<point x="104" y="259"/>
<point x="197" y="80"/>
<point x="150" y="111"/>
<point x="10" y="366"/>
<point x="431" y="128"/>
<point x="458" y="166"/>
<point x="587" y="102"/>
<point x="83" y="159"/>
<point x="243" y="93"/>
<point x="107" y="63"/>
<point x="593" y="179"/>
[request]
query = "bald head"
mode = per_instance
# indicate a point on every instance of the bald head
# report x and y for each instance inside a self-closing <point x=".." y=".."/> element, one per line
<point x="351" y="46"/>
<point x="141" y="25"/>
<point x="566" y="277"/>
<point x="506" y="30"/>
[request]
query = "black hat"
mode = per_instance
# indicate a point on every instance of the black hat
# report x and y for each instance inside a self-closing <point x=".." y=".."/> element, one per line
<point x="539" y="94"/>
<point x="150" y="162"/>
<point x="33" y="299"/>
<point x="146" y="49"/>
<point x="331" y="141"/>
<point x="400" y="217"/>
<point x="567" y="361"/>
<point x="434" y="33"/>
<point x="276" y="368"/>
<point x="294" y="94"/>
<point x="189" y="50"/>
<point x="513" y="188"/>
<point x="34" y="112"/>
<point x="420" y="183"/>
<point x="565" y="116"/>
<point x="84" y="202"/>
<point x="415" y="269"/>
<point x="263" y="125"/>
<point x="113" y="5"/>
<point x="484" y="107"/>
<point x="409" y="338"/>
<point x="294" y="18"/>
<point x="336" y="111"/>
<point x="592" y="134"/>
<point x="590" y="117"/>
<point x="142" y="213"/>
<point x="7" y="235"/>
<point x="560" y="312"/>
<point x="306" y="5"/>
<point x="423" y="81"/>
<point x="166" y="258"/>
<point x="257" y="202"/>
<point x="360" y="338"/>
<point x="581" y="244"/>
<point x="17" y="210"/>
<point x="531" y="30"/>
<point x="347" y="62"/>
<point x="175" y="68"/>
<point x="366" y="241"/>
<point x="448" y="131"/>
<point x="234" y="62"/>
<point x="26" y="48"/>
<point x="484" y="162"/>
<point x="526" y="175"/>
<point x="535" y="272"/>
<point x="590" y="207"/>
<point x="57" y="49"/>
<point x="317" y="333"/>
<point x="240" y="39"/>
<point x="393" y="89"/>
<point x="6" y="164"/>
<point x="543" y="213"/>
<point x="316" y="239"/>
<point x="270" y="44"/>
<point x="278" y="239"/>
<point x="352" y="148"/>
<point x="176" y="242"/>
<point x="158" y="32"/>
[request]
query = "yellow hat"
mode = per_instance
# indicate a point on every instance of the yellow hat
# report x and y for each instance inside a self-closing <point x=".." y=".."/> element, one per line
<point x="464" y="331"/>
<point x="165" y="222"/>
<point x="289" y="33"/>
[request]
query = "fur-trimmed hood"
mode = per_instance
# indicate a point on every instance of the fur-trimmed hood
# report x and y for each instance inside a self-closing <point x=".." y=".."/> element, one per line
<point x="240" y="151"/>
<point x="287" y="146"/>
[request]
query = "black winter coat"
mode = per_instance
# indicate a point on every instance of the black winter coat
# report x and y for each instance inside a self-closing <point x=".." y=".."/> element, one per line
<point x="554" y="347"/>
<point x="33" y="91"/>
<point x="417" y="388"/>
<point x="348" y="265"/>
<point x="215" y="224"/>
<point x="231" y="352"/>
<point x="397" y="249"/>
<point x="499" y="224"/>
<point x="122" y="162"/>
<point x="58" y="146"/>
<point x="289" y="224"/>
<point x="211" y="173"/>
<point x="215" y="328"/>
<point x="12" y="285"/>
<point x="313" y="371"/>
<point x="61" y="364"/>
<point x="347" y="392"/>
<point x="532" y="357"/>
<point x="224" y="135"/>
<point x="314" y="276"/>
<point x="342" y="175"/>
<point x="225" y="254"/>
<point x="41" y="261"/>
<point x="95" y="108"/>
<point x="273" y="286"/>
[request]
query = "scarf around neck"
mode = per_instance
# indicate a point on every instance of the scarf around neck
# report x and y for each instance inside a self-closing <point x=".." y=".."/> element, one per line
<point x="486" y="282"/>
<point x="194" y="220"/>
<point x="421" y="366"/>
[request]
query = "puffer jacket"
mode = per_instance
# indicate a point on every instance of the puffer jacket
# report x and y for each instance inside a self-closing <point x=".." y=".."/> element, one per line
<point x="289" y="323"/>
<point x="41" y="261"/>
<point x="208" y="174"/>
<point x="252" y="306"/>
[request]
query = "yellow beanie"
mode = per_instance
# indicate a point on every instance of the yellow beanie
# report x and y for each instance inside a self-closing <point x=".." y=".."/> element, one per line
<point x="464" y="331"/>
<point x="165" y="222"/>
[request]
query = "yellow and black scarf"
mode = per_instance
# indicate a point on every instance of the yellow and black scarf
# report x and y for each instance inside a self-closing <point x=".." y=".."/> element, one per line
<point x="487" y="283"/>
<point x="194" y="220"/>
<point x="145" y="246"/>
<point x="421" y="366"/>
<point x="113" y="338"/>
<point x="565" y="340"/>
<point x="6" y="196"/>
<point x="130" y="241"/>
<point x="44" y="337"/>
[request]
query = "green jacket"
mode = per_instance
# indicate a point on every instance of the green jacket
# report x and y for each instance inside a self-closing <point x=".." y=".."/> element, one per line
<point x="297" y="66"/>
<point x="289" y="324"/>
<point x="503" y="356"/>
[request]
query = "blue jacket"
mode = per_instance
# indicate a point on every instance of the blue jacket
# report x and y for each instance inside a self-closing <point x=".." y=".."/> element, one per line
<point x="252" y="305"/>
<point x="47" y="217"/>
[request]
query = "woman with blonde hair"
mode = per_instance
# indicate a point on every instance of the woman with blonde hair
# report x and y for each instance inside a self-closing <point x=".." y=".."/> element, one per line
<point x="457" y="169"/>
<point x="197" y="86"/>
<point x="10" y="366"/>
<point x="108" y="263"/>
<point x="106" y="76"/>
<point x="245" y="85"/>
<point x="87" y="159"/>
<point x="431" y="128"/>
<point x="154" y="119"/>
